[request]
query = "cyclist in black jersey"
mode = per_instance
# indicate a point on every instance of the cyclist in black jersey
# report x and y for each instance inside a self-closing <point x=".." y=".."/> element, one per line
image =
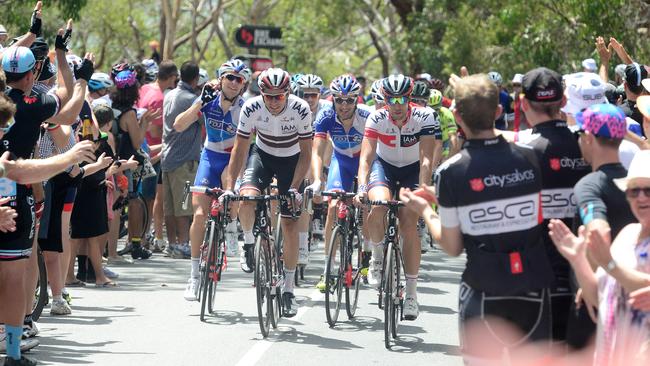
<point x="490" y="206"/>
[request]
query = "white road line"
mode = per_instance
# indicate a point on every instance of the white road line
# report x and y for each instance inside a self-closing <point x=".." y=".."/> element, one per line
<point x="257" y="351"/>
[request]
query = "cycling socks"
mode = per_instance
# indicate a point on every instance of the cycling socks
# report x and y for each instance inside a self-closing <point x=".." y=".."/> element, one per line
<point x="411" y="285"/>
<point x="13" y="341"/>
<point x="303" y="239"/>
<point x="289" y="275"/>
<point x="367" y="246"/>
<point x="377" y="250"/>
<point x="195" y="268"/>
<point x="136" y="241"/>
<point x="249" y="238"/>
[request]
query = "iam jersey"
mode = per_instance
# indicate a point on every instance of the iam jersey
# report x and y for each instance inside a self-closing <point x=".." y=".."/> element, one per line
<point x="276" y="135"/>
<point x="400" y="146"/>
<point x="220" y="127"/>
<point x="491" y="191"/>
<point x="348" y="143"/>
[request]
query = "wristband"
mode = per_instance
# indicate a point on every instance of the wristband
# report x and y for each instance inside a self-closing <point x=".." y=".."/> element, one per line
<point x="52" y="126"/>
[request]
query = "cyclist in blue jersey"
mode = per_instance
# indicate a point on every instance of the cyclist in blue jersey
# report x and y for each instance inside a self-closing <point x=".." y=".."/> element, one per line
<point x="345" y="124"/>
<point x="220" y="109"/>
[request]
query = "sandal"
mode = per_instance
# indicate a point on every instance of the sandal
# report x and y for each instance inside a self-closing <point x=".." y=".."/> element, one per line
<point x="107" y="284"/>
<point x="76" y="283"/>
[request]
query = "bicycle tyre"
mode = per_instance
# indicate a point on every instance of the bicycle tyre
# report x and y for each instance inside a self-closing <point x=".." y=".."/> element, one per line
<point x="355" y="256"/>
<point x="334" y="282"/>
<point x="262" y="286"/>
<point x="388" y="290"/>
<point x="41" y="295"/>
<point x="398" y="301"/>
<point x="214" y="268"/>
<point x="205" y="269"/>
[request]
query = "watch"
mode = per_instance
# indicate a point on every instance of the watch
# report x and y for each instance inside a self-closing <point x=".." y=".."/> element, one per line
<point x="611" y="266"/>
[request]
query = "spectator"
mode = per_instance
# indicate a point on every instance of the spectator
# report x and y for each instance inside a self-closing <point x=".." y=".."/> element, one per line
<point x="634" y="75"/>
<point x="3" y="36"/>
<point x="519" y="118"/>
<point x="180" y="158"/>
<point x="589" y="65"/>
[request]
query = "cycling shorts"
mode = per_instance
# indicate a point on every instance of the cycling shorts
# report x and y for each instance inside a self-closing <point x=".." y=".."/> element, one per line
<point x="392" y="177"/>
<point x="480" y="318"/>
<point x="341" y="173"/>
<point x="211" y="166"/>
<point x="18" y="244"/>
<point x="262" y="167"/>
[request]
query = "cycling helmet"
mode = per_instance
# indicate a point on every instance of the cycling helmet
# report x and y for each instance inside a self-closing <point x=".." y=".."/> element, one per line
<point x="273" y="79"/>
<point x="495" y="77"/>
<point x="117" y="68"/>
<point x="421" y="90"/>
<point x="74" y="61"/>
<point x="436" y="83"/>
<point x="125" y="79"/>
<point x="18" y="60"/>
<point x="99" y="81"/>
<point x="435" y="99"/>
<point x="203" y="77"/>
<point x="151" y="70"/>
<point x="309" y="81"/>
<point x="424" y="76"/>
<point x="345" y="85"/>
<point x="397" y="85"/>
<point x="236" y="67"/>
<point x="294" y="82"/>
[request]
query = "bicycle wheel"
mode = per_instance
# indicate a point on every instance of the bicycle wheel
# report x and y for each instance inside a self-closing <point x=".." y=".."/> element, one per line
<point x="389" y="294"/>
<point x="263" y="285"/>
<point x="214" y="269"/>
<point x="208" y="261"/>
<point x="334" y="277"/>
<point x="397" y="301"/>
<point x="353" y="274"/>
<point x="41" y="298"/>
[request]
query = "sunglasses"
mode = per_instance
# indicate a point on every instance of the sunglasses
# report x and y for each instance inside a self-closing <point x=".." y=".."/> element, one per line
<point x="234" y="78"/>
<point x="397" y="100"/>
<point x="278" y="97"/>
<point x="8" y="126"/>
<point x="345" y="100"/>
<point x="634" y="192"/>
<point x="310" y="95"/>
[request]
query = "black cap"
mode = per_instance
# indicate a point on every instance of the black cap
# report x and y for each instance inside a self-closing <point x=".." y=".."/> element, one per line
<point x="542" y="85"/>
<point x="634" y="73"/>
<point x="48" y="70"/>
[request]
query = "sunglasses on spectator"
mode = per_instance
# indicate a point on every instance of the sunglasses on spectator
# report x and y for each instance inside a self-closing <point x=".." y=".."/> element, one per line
<point x="8" y="126"/>
<point x="634" y="192"/>
<point x="278" y="97"/>
<point x="310" y="95"/>
<point x="234" y="78"/>
<point x="338" y="100"/>
<point x="397" y="100"/>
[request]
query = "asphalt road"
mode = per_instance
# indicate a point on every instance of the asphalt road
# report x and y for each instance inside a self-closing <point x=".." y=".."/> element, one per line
<point x="146" y="321"/>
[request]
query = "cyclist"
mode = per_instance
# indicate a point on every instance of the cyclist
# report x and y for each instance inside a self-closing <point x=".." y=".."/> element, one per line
<point x="505" y="100"/>
<point x="282" y="149"/>
<point x="377" y="99"/>
<point x="98" y="89"/>
<point x="406" y="140"/>
<point x="220" y="109"/>
<point x="344" y="124"/>
<point x="448" y="126"/>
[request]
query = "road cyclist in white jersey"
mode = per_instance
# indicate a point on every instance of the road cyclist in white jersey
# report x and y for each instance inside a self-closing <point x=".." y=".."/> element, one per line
<point x="402" y="144"/>
<point x="343" y="124"/>
<point x="220" y="106"/>
<point x="282" y="123"/>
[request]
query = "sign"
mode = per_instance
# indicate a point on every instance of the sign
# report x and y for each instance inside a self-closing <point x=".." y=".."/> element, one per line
<point x="252" y="36"/>
<point x="256" y="63"/>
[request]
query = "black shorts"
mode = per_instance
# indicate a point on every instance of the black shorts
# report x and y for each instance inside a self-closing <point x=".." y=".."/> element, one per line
<point x="18" y="245"/>
<point x="529" y="313"/>
<point x="392" y="177"/>
<point x="57" y="194"/>
<point x="262" y="167"/>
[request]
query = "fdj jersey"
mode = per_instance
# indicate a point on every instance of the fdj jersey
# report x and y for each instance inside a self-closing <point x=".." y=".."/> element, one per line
<point x="400" y="146"/>
<point x="276" y="135"/>
<point x="221" y="127"/>
<point x="346" y="143"/>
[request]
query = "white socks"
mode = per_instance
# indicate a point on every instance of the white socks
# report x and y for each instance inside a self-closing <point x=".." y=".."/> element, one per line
<point x="195" y="268"/>
<point x="289" y="275"/>
<point x="411" y="286"/>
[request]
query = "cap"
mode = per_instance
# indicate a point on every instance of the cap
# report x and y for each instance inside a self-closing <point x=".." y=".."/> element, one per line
<point x="517" y="78"/>
<point x="643" y="103"/>
<point x="634" y="74"/>
<point x="18" y="60"/>
<point x="603" y="120"/>
<point x="589" y="64"/>
<point x="3" y="30"/>
<point x="48" y="70"/>
<point x="542" y="85"/>
<point x="582" y="90"/>
<point x="638" y="169"/>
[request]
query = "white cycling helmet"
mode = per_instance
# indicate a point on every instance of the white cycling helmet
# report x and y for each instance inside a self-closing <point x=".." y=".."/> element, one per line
<point x="495" y="77"/>
<point x="203" y="77"/>
<point x="375" y="90"/>
<point x="74" y="61"/>
<point x="273" y="79"/>
<point x="309" y="81"/>
<point x="397" y="85"/>
<point x="236" y="67"/>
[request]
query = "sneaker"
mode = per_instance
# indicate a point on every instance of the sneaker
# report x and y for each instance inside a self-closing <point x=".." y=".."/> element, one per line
<point x="246" y="259"/>
<point x="116" y="261"/>
<point x="191" y="289"/>
<point x="232" y="246"/>
<point x="30" y="330"/>
<point x="25" y="344"/>
<point x="410" y="309"/>
<point x="169" y="250"/>
<point x="158" y="245"/>
<point x="24" y="361"/>
<point x="321" y="284"/>
<point x="66" y="296"/>
<point x="138" y="252"/>
<point x="126" y="250"/>
<point x="303" y="255"/>
<point x="374" y="275"/>
<point x="290" y="305"/>
<point x="110" y="274"/>
<point x="60" y="307"/>
<point x="182" y="251"/>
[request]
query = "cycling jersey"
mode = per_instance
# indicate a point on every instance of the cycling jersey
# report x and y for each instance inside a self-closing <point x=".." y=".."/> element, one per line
<point x="221" y="128"/>
<point x="322" y="104"/>
<point x="276" y="135"/>
<point x="346" y="143"/>
<point x="400" y="147"/>
<point x="491" y="190"/>
<point x="447" y="127"/>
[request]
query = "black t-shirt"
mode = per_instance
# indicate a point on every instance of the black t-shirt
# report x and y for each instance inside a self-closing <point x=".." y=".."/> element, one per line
<point x="598" y="197"/>
<point x="491" y="190"/>
<point x="631" y="110"/>
<point x="562" y="167"/>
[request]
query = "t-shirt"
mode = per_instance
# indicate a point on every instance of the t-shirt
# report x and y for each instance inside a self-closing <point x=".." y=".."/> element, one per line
<point x="598" y="197"/>
<point x="179" y="147"/>
<point x="276" y="135"/>
<point x="151" y="98"/>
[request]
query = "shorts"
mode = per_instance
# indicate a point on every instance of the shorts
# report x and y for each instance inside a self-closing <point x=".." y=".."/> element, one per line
<point x="392" y="177"/>
<point x="211" y="166"/>
<point x="342" y="172"/>
<point x="68" y="203"/>
<point x="148" y="187"/>
<point x="262" y="167"/>
<point x="174" y="189"/>
<point x="57" y="194"/>
<point x="529" y="313"/>
<point x="18" y="245"/>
